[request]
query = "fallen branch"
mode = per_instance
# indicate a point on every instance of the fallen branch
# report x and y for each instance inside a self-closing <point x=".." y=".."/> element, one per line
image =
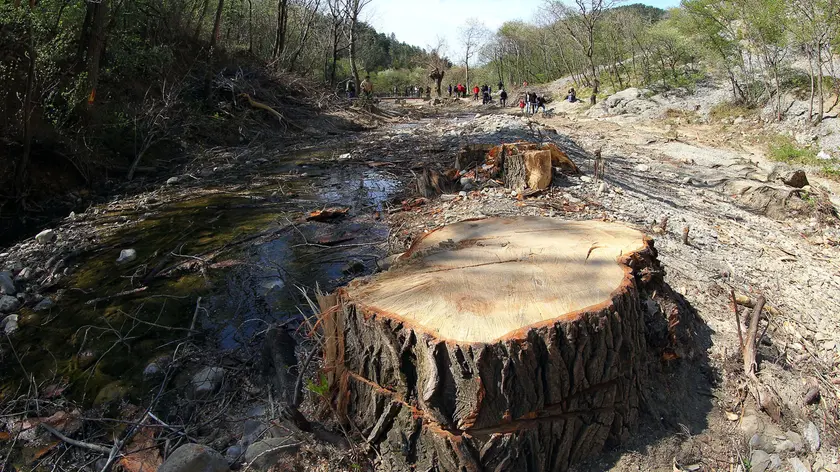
<point x="73" y="442"/>
<point x="116" y="295"/>
<point x="748" y="302"/>
<point x="737" y="319"/>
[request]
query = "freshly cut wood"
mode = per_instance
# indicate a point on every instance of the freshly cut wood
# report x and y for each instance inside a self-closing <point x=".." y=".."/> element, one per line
<point x="513" y="343"/>
<point x="531" y="169"/>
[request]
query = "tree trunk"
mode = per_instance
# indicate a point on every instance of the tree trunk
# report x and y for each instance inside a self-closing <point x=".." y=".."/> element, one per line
<point x="354" y="70"/>
<point x="251" y="27"/>
<point x="499" y="344"/>
<point x="23" y="164"/>
<point x="214" y="38"/>
<point x="821" y="99"/>
<point x="282" y="20"/>
<point x="811" y="95"/>
<point x="97" y="45"/>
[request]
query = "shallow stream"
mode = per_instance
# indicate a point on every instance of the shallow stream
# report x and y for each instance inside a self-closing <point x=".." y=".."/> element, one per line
<point x="93" y="351"/>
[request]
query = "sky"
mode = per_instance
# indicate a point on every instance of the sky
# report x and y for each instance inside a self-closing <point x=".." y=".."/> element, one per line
<point x="421" y="22"/>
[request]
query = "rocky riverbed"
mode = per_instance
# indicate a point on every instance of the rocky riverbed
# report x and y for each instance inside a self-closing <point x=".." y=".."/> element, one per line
<point x="177" y="323"/>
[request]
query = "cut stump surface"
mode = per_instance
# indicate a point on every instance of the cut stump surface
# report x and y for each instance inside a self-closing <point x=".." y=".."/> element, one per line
<point x="513" y="343"/>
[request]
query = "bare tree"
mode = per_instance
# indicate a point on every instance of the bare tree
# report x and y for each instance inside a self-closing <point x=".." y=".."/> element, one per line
<point x="472" y="35"/>
<point x="353" y="10"/>
<point x="282" y="22"/>
<point x="581" y="22"/>
<point x="336" y="18"/>
<point x="438" y="63"/>
<point x="20" y="176"/>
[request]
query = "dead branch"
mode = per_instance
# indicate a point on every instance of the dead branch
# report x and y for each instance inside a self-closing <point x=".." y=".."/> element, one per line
<point x="73" y="442"/>
<point x="116" y="295"/>
<point x="748" y="302"/>
<point x="686" y="230"/>
<point x="749" y="347"/>
<point x="737" y="320"/>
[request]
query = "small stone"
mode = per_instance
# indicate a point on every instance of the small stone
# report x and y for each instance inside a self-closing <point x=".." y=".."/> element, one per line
<point x="353" y="267"/>
<point x="386" y="262"/>
<point x="824" y="156"/>
<point x="268" y="452"/>
<point x="8" y="304"/>
<point x="10" y="324"/>
<point x="759" y="461"/>
<point x="194" y="458"/>
<point x="44" y="305"/>
<point x="345" y="156"/>
<point x="173" y="181"/>
<point x="233" y="454"/>
<point x="46" y="236"/>
<point x="586" y="178"/>
<point x="797" y="465"/>
<point x="24" y="275"/>
<point x="7" y="285"/>
<point x="207" y="381"/>
<point x="796" y="179"/>
<point x="126" y="256"/>
<point x="602" y="188"/>
<point x="643" y="168"/>
<point x="462" y="193"/>
<point x="812" y="436"/>
<point x="514" y="193"/>
<point x="448" y="197"/>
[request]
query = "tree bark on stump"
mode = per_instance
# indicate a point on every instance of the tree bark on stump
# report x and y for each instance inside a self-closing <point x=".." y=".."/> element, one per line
<point x="498" y="344"/>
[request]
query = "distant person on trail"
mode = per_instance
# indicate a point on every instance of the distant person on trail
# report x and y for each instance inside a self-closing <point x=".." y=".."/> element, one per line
<point x="367" y="87"/>
<point x="486" y="98"/>
<point x="522" y="106"/>
<point x="572" y="96"/>
<point x="450" y="90"/>
<point x="476" y="91"/>
<point x="350" y="88"/>
<point x="428" y="91"/>
<point x="406" y="91"/>
<point x="501" y="85"/>
<point x="503" y="98"/>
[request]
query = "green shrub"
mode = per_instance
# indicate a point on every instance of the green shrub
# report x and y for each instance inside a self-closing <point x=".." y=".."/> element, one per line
<point x="729" y="110"/>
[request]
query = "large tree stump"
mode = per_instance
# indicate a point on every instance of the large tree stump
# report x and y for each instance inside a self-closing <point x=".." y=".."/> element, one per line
<point x="497" y="344"/>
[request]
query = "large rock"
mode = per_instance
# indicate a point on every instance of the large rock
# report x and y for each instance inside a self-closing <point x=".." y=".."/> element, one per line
<point x="9" y="304"/>
<point x="7" y="285"/>
<point x="194" y="458"/>
<point x="264" y="454"/>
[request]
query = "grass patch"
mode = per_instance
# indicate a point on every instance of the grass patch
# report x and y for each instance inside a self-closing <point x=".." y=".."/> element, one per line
<point x="681" y="116"/>
<point x="728" y="110"/>
<point x="785" y="149"/>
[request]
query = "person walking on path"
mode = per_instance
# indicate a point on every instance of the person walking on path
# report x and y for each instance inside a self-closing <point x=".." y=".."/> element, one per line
<point x="476" y="91"/>
<point x="503" y="98"/>
<point x="522" y="106"/>
<point x="541" y="103"/>
<point x="367" y="87"/>
<point x="450" y="90"/>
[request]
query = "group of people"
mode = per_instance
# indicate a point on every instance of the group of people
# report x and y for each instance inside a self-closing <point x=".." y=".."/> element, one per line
<point x="531" y="103"/>
<point x="366" y="86"/>
<point x="413" y="91"/>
